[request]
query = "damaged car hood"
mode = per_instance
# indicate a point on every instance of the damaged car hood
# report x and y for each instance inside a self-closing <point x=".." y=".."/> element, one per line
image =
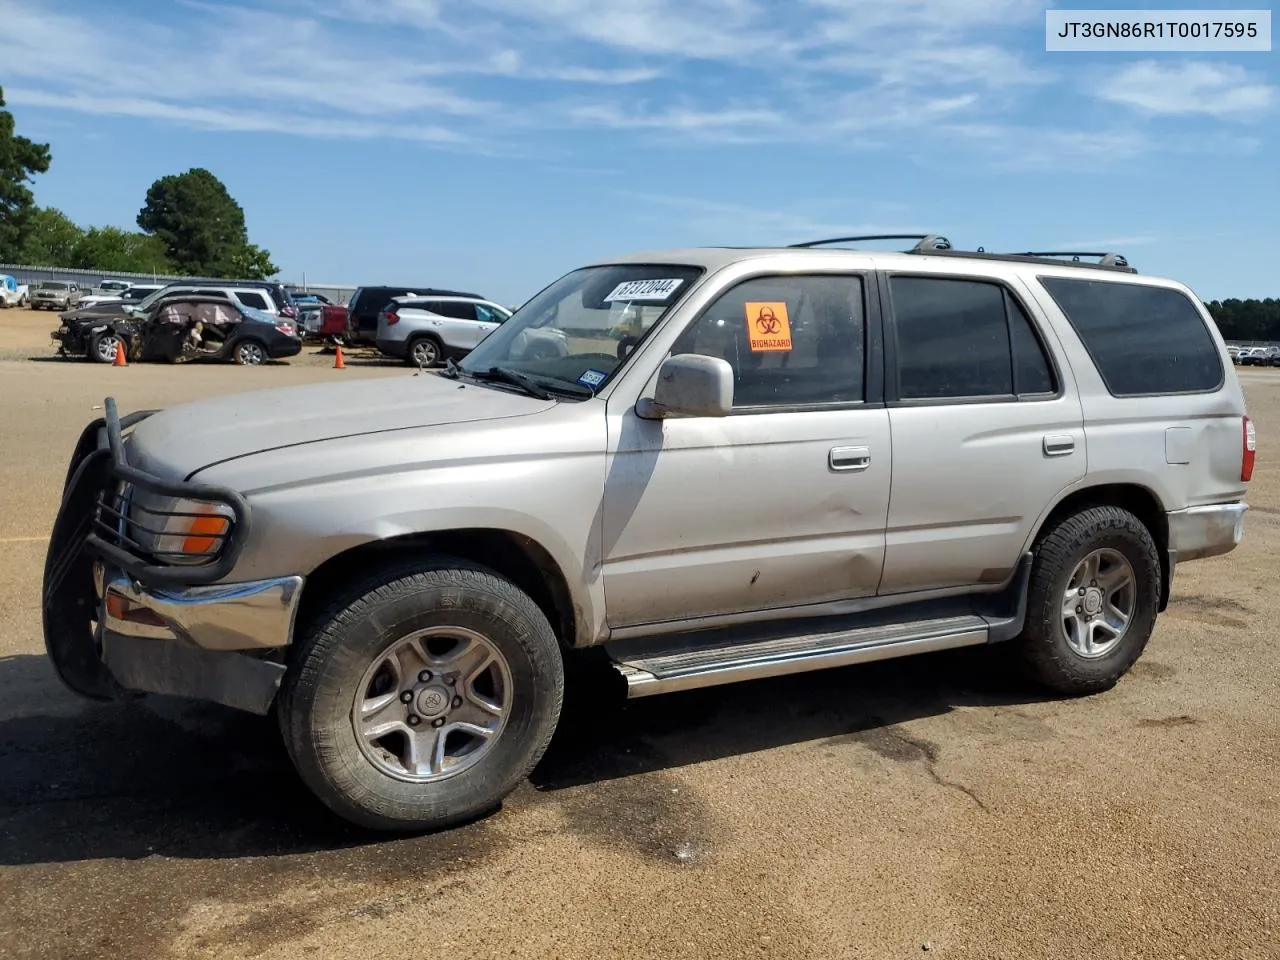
<point x="181" y="440"/>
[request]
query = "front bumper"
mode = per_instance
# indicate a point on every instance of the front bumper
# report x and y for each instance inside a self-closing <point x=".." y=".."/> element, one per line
<point x="209" y="643"/>
<point x="1206" y="531"/>
<point x="117" y="620"/>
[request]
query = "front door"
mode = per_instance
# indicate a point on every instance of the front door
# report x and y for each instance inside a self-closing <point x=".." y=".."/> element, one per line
<point x="781" y="504"/>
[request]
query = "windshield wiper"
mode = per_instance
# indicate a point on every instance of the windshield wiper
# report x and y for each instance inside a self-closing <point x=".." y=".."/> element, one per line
<point x="540" y="387"/>
<point x="515" y="378"/>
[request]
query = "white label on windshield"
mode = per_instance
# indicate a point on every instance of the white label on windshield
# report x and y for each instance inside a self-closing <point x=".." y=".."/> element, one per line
<point x="644" y="290"/>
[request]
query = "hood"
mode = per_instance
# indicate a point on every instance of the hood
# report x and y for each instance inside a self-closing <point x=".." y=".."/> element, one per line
<point x="108" y="311"/>
<point x="187" y="438"/>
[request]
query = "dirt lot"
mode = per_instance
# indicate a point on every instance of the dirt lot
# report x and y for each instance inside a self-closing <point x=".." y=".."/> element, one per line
<point x="933" y="805"/>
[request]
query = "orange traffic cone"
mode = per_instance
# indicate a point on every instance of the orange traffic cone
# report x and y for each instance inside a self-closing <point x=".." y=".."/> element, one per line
<point x="119" y="361"/>
<point x="338" y="362"/>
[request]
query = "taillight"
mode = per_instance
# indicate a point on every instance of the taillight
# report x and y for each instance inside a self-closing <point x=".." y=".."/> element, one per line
<point x="392" y="318"/>
<point x="289" y="312"/>
<point x="1250" y="450"/>
<point x="285" y="328"/>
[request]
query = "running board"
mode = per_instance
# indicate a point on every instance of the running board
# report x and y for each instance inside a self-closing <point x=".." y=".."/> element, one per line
<point x="689" y="666"/>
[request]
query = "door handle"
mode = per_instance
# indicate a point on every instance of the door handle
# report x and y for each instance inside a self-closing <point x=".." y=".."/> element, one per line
<point x="849" y="459"/>
<point x="1059" y="446"/>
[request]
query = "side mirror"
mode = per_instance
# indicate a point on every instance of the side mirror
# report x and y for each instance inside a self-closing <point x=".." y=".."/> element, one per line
<point x="690" y="385"/>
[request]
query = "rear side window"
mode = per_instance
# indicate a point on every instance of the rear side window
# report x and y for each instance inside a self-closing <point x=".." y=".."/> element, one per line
<point x="251" y="299"/>
<point x="958" y="339"/>
<point x="458" y="311"/>
<point x="1143" y="340"/>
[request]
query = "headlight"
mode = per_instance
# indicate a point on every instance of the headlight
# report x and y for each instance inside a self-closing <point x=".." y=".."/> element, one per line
<point x="180" y="531"/>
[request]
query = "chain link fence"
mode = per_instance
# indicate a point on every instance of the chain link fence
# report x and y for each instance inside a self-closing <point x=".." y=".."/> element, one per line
<point x="31" y="276"/>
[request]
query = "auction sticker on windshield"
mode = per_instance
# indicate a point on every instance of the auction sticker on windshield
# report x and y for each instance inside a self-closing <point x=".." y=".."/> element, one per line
<point x="644" y="290"/>
<point x="769" y="327"/>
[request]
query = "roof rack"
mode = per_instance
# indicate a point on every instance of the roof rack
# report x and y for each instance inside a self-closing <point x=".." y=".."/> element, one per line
<point x="1104" y="259"/>
<point x="931" y="244"/>
<point x="928" y="242"/>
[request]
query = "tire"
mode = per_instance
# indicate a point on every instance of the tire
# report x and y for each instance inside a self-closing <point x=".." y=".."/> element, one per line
<point x="99" y="349"/>
<point x="423" y="352"/>
<point x="370" y="782"/>
<point x="250" y="353"/>
<point x="1079" y="651"/>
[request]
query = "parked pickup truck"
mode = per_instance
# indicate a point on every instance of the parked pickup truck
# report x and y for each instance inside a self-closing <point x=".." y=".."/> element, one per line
<point x="749" y="462"/>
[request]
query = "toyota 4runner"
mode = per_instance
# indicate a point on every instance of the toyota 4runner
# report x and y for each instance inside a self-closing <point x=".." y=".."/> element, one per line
<point x="748" y="462"/>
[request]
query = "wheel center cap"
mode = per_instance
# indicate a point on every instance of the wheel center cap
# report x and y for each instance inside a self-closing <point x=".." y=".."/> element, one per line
<point x="1093" y="601"/>
<point x="432" y="701"/>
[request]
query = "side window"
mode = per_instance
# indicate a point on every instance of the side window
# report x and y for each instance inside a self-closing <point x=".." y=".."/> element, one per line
<point x="951" y="337"/>
<point x="458" y="311"/>
<point x="488" y="314"/>
<point x="959" y="339"/>
<point x="1143" y="339"/>
<point x="251" y="299"/>
<point x="791" y="340"/>
<point x="1032" y="372"/>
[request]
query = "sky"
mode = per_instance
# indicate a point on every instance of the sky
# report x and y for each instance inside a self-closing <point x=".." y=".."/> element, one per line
<point x="493" y="145"/>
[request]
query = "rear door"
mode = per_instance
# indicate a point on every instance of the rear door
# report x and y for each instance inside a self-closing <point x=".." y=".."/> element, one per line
<point x="460" y="327"/>
<point x="987" y="428"/>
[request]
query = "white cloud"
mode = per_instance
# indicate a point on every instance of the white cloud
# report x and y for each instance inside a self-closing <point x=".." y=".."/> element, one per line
<point x="918" y="76"/>
<point x="1195" y="87"/>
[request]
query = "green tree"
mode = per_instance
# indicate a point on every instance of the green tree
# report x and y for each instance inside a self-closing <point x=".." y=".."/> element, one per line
<point x="1247" y="319"/>
<point x="111" y="250"/>
<point x="202" y="227"/>
<point x="50" y="239"/>
<point x="20" y="161"/>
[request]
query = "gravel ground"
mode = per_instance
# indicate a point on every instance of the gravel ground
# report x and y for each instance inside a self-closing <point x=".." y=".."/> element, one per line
<point x="934" y="805"/>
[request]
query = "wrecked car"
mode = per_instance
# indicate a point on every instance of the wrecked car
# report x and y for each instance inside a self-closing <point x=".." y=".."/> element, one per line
<point x="178" y="329"/>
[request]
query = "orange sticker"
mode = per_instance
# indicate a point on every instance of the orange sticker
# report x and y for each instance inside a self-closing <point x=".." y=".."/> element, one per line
<point x="768" y="327"/>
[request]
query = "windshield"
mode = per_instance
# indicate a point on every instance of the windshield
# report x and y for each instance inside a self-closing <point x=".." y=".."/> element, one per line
<point x="53" y="285"/>
<point x="146" y="302"/>
<point x="580" y="329"/>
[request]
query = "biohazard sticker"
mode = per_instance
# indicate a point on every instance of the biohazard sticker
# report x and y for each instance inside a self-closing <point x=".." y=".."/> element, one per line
<point x="768" y="327"/>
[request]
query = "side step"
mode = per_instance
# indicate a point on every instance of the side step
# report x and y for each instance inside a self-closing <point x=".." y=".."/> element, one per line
<point x="688" y="665"/>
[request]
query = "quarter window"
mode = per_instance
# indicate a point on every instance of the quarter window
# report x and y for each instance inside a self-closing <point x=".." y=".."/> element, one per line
<point x="1143" y="339"/>
<point x="791" y="341"/>
<point x="959" y="339"/>
<point x="255" y="300"/>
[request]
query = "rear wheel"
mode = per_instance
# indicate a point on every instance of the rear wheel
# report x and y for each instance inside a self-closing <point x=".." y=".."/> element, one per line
<point x="423" y="352"/>
<point x="1091" y="606"/>
<point x="424" y="697"/>
<point x="104" y="346"/>
<point x="250" y="353"/>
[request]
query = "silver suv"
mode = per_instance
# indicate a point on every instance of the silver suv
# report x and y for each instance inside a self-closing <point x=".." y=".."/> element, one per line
<point x="423" y="331"/>
<point x="746" y="462"/>
<point x="55" y="295"/>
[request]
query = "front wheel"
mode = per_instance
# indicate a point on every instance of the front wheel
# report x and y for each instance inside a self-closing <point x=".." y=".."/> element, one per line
<point x="1092" y="601"/>
<point x="424" y="697"/>
<point x="104" y="347"/>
